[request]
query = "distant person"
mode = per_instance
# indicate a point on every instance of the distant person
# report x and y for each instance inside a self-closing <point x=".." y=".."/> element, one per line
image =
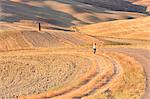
<point x="94" y="48"/>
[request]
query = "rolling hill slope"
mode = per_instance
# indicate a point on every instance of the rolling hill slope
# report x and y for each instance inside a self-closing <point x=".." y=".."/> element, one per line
<point x="57" y="62"/>
<point x="66" y="13"/>
<point x="131" y="29"/>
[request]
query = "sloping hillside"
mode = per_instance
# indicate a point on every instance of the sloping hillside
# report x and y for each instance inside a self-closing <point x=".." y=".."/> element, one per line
<point x="143" y="2"/>
<point x="66" y="13"/>
<point x="57" y="62"/>
<point x="131" y="29"/>
<point x="25" y="35"/>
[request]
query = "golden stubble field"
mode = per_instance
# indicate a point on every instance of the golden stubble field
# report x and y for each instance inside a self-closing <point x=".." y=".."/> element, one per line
<point x="70" y="74"/>
<point x="57" y="62"/>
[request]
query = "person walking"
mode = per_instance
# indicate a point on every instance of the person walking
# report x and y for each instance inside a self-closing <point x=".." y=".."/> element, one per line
<point x="94" y="48"/>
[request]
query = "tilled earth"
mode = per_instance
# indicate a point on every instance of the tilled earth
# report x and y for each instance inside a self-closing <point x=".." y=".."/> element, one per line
<point x="70" y="74"/>
<point x="33" y="74"/>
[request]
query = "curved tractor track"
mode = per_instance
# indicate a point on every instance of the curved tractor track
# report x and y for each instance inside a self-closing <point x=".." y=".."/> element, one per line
<point x="68" y="75"/>
<point x="142" y="56"/>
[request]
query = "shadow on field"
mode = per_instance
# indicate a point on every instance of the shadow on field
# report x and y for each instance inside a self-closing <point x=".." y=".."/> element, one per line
<point x="61" y="29"/>
<point x="21" y="11"/>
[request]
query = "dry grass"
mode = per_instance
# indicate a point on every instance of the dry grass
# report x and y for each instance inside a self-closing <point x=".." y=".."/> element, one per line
<point x="130" y="84"/>
<point x="130" y="29"/>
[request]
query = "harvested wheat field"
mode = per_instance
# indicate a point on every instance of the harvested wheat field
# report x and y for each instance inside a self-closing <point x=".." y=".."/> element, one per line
<point x="57" y="62"/>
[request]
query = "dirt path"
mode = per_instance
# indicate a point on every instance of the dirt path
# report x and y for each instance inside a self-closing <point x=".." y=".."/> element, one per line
<point x="105" y="72"/>
<point x="143" y="56"/>
<point x="103" y="68"/>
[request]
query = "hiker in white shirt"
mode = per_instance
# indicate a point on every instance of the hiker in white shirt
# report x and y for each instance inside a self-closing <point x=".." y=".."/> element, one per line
<point x="94" y="48"/>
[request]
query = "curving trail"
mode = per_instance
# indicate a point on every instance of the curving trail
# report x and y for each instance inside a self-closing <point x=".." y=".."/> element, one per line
<point x="55" y="63"/>
<point x="143" y="57"/>
<point x="76" y="73"/>
<point x="104" y="73"/>
<point x="80" y="75"/>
